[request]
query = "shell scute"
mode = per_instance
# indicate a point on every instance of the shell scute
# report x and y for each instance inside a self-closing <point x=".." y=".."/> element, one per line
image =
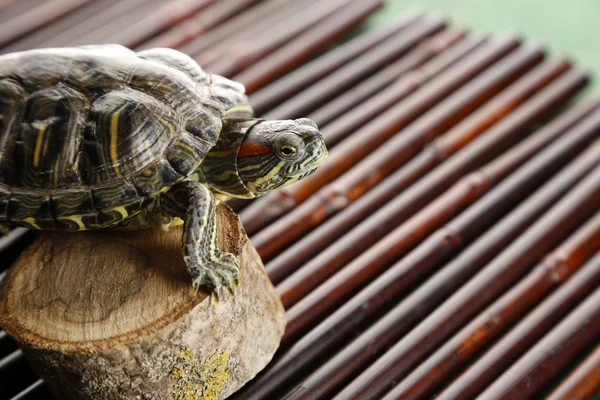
<point x="131" y="130"/>
<point x="72" y="202"/>
<point x="52" y="138"/>
<point x="156" y="176"/>
<point x="114" y="194"/>
<point x="12" y="106"/>
<point x="4" y="200"/>
<point x="186" y="154"/>
<point x="25" y="206"/>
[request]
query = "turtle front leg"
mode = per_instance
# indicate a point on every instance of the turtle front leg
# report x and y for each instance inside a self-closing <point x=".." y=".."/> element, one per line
<point x="208" y="266"/>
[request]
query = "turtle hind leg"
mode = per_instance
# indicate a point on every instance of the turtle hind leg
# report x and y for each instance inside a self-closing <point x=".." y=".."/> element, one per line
<point x="208" y="266"/>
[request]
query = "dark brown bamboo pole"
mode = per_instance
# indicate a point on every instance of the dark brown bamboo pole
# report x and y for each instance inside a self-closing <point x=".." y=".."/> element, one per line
<point x="300" y="253"/>
<point x="301" y="48"/>
<point x="45" y="36"/>
<point x="255" y="32"/>
<point x="315" y="70"/>
<point x="13" y="8"/>
<point x="221" y="36"/>
<point x="545" y="360"/>
<point x="332" y="85"/>
<point x="583" y="382"/>
<point x="250" y="49"/>
<point x="367" y="88"/>
<point x="552" y="272"/>
<point x="96" y="28"/>
<point x="273" y="205"/>
<point x="156" y="21"/>
<point x="409" y="80"/>
<point x="482" y="289"/>
<point x="35" y="18"/>
<point x="338" y="195"/>
<point x="198" y="24"/>
<point x="354" y="249"/>
<point x="398" y="91"/>
<point x="360" y="311"/>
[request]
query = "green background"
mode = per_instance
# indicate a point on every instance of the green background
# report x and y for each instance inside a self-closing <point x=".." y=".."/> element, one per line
<point x="565" y="27"/>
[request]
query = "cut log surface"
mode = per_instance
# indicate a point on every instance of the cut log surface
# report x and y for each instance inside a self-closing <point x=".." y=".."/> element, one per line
<point x="113" y="315"/>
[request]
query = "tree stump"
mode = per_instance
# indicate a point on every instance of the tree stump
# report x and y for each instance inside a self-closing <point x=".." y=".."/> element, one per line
<point x="113" y="315"/>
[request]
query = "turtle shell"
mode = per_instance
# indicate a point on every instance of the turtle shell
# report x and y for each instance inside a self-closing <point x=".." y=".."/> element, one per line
<point x="90" y="135"/>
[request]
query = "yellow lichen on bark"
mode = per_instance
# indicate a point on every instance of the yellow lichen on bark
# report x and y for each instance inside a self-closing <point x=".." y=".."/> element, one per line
<point x="196" y="380"/>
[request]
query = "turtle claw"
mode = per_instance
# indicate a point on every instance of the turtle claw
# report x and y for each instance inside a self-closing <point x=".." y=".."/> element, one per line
<point x="221" y="271"/>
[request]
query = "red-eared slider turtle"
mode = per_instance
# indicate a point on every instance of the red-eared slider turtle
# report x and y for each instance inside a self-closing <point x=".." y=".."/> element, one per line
<point x="101" y="137"/>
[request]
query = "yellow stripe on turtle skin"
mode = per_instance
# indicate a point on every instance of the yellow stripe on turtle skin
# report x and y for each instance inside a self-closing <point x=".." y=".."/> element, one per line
<point x="243" y="108"/>
<point x="31" y="221"/>
<point x="38" y="145"/>
<point x="168" y="125"/>
<point x="185" y="146"/>
<point x="121" y="210"/>
<point x="114" y="135"/>
<point x="252" y="185"/>
<point x="221" y="197"/>
<point x="77" y="219"/>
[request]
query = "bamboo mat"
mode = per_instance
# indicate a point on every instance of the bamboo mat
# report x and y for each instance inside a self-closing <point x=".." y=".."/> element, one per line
<point x="449" y="245"/>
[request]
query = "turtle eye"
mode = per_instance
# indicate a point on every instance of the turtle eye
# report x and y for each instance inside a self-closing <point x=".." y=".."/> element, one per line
<point x="288" y="151"/>
<point x="289" y="147"/>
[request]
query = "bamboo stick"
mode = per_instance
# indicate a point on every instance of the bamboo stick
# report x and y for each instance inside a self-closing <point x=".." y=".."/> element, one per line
<point x="550" y="273"/>
<point x="253" y="32"/>
<point x="273" y="205"/>
<point x="197" y="24"/>
<point x="37" y="391"/>
<point x="217" y="39"/>
<point x="97" y="28"/>
<point x="275" y="93"/>
<point x="12" y="8"/>
<point x="390" y="219"/>
<point x="400" y="90"/>
<point x="250" y="49"/>
<point x="350" y="74"/>
<point x="301" y="252"/>
<point x="362" y="309"/>
<point x="409" y="81"/>
<point x="368" y="87"/>
<point x="348" y="188"/>
<point x="542" y="362"/>
<point x="583" y="382"/>
<point x="408" y="231"/>
<point x="156" y="21"/>
<point x="301" y="48"/>
<point x="499" y="274"/>
<point x="35" y="18"/>
<point x="45" y="36"/>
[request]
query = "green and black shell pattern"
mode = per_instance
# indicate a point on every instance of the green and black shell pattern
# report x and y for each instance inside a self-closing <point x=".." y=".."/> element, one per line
<point x="90" y="135"/>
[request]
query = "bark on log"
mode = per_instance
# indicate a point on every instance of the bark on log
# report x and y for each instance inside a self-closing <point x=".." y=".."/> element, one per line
<point x="113" y="315"/>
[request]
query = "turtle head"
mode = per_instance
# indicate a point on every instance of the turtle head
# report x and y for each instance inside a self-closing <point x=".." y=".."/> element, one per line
<point x="274" y="154"/>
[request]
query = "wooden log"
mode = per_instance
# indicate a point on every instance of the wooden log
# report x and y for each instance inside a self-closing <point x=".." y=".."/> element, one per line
<point x="113" y="315"/>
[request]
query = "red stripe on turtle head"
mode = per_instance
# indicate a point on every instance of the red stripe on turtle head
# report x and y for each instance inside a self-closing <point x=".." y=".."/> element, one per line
<point x="250" y="148"/>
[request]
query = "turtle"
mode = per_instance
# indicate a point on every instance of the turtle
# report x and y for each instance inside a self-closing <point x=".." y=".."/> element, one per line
<point x="103" y="137"/>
